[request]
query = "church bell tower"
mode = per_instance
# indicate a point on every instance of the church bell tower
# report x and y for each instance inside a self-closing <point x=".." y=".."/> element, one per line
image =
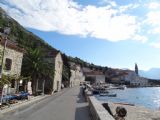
<point x="136" y="68"/>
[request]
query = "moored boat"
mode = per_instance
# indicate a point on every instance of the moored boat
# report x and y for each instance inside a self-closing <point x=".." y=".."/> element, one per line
<point x="108" y="95"/>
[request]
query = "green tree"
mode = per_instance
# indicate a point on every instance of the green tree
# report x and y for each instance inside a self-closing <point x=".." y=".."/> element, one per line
<point x="5" y="79"/>
<point x="35" y="65"/>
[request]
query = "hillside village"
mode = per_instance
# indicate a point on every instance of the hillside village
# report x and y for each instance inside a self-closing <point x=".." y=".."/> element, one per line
<point x="28" y="64"/>
<point x="13" y="56"/>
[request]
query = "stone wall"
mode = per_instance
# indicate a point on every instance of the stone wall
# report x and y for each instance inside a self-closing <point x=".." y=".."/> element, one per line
<point x="98" y="112"/>
<point x="16" y="58"/>
<point x="16" y="64"/>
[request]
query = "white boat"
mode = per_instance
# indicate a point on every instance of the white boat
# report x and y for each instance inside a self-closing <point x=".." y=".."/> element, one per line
<point x="123" y="87"/>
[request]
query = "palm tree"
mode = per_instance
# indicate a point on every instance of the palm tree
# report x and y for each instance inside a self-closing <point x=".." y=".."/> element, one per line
<point x="31" y="65"/>
<point x="5" y="79"/>
<point x="35" y="65"/>
<point x="47" y="73"/>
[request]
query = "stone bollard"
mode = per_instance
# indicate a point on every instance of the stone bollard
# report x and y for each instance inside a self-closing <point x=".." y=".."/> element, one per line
<point x="121" y="112"/>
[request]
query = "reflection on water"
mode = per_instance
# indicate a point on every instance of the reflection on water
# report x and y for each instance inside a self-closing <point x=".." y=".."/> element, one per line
<point x="148" y="97"/>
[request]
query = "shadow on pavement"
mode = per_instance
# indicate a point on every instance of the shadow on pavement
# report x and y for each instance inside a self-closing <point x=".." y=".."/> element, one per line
<point x="82" y="109"/>
<point x="81" y="98"/>
<point x="82" y="113"/>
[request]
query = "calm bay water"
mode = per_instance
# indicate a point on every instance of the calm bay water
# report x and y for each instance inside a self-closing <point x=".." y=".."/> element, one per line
<point x="148" y="97"/>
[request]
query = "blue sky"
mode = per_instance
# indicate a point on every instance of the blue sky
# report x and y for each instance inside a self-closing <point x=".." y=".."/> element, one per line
<point x="112" y="33"/>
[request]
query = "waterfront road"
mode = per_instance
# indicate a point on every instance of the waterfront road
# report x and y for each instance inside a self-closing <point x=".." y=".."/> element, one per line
<point x="66" y="105"/>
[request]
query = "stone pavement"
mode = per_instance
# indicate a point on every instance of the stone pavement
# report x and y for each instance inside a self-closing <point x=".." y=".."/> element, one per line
<point x="66" y="105"/>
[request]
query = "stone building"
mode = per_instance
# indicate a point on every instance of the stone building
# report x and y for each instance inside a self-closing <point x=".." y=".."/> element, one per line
<point x="58" y="72"/>
<point x="12" y="62"/>
<point x="77" y="76"/>
<point x="129" y="77"/>
<point x="95" y="77"/>
<point x="54" y="85"/>
<point x="134" y="80"/>
<point x="115" y="76"/>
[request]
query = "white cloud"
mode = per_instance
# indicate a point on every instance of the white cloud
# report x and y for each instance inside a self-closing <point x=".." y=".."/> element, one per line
<point x="141" y="38"/>
<point x="68" y="17"/>
<point x="156" y="30"/>
<point x="153" y="19"/>
<point x="128" y="7"/>
<point x="155" y="44"/>
<point x="154" y="5"/>
<point x="110" y="2"/>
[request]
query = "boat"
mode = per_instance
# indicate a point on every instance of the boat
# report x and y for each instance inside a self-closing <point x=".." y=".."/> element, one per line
<point x="95" y="92"/>
<point x="104" y="91"/>
<point x="108" y="95"/>
<point x="112" y="95"/>
<point x="122" y="87"/>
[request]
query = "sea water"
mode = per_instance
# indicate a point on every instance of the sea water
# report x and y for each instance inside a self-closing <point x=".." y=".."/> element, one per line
<point x="148" y="97"/>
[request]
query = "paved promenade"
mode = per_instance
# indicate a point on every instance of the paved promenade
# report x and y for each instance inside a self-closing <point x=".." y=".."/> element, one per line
<point x="66" y="105"/>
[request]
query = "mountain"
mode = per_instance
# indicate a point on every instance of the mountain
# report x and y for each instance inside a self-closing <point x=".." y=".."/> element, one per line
<point x="153" y="73"/>
<point x="27" y="39"/>
<point x="19" y="34"/>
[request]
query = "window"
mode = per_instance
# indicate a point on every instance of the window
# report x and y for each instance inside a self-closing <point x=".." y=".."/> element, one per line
<point x="8" y="64"/>
<point x="12" y="83"/>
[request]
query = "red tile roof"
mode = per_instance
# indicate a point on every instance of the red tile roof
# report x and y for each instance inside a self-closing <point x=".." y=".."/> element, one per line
<point x="94" y="73"/>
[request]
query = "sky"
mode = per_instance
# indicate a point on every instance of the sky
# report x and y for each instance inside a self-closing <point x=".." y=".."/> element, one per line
<point x="113" y="33"/>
